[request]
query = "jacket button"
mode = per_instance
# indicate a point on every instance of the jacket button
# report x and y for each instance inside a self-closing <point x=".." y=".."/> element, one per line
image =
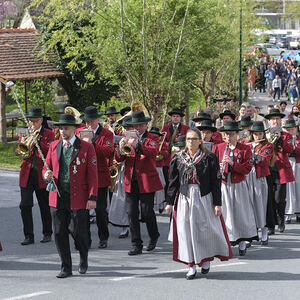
<point x="74" y="194"/>
<point x="74" y="180"/>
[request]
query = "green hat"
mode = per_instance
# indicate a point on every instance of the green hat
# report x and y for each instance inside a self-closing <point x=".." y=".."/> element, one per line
<point x="297" y="113"/>
<point x="35" y="112"/>
<point x="66" y="120"/>
<point x="201" y="116"/>
<point x="111" y="111"/>
<point x="138" y="117"/>
<point x="275" y="112"/>
<point x="246" y="121"/>
<point x="230" y="126"/>
<point x="90" y="113"/>
<point x="176" y="111"/>
<point x="227" y="113"/>
<point x="290" y="123"/>
<point x="155" y="130"/>
<point x="207" y="124"/>
<point x="125" y="121"/>
<point x="181" y="141"/>
<point x="258" y="126"/>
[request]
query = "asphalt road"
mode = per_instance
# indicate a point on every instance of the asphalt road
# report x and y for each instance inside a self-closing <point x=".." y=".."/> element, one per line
<point x="28" y="272"/>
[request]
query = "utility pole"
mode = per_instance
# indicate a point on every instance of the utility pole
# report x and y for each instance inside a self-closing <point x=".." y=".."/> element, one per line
<point x="241" y="55"/>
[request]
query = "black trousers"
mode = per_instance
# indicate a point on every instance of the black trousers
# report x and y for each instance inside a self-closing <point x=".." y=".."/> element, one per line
<point x="75" y="222"/>
<point x="166" y="176"/>
<point x="134" y="200"/>
<point x="279" y="196"/>
<point x="101" y="215"/>
<point x="276" y="91"/>
<point x="26" y="205"/>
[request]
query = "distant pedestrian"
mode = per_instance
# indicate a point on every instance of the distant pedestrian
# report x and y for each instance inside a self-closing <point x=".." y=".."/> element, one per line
<point x="276" y="86"/>
<point x="270" y="76"/>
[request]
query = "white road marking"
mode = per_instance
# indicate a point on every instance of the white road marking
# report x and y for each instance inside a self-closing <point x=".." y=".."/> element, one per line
<point x="28" y="295"/>
<point x="174" y="271"/>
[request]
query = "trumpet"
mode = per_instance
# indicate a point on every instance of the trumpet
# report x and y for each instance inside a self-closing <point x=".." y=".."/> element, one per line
<point x="114" y="172"/>
<point x="126" y="149"/>
<point x="160" y="156"/>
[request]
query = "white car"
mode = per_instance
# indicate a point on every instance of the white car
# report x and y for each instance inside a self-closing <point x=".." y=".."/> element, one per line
<point x="272" y="49"/>
<point x="294" y="42"/>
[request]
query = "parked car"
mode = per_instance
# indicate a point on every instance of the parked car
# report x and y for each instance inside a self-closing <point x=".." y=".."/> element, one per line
<point x="294" y="42"/>
<point x="271" y="49"/>
<point x="290" y="54"/>
<point x="282" y="43"/>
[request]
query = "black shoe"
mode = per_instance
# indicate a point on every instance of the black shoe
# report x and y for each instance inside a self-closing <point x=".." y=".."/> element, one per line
<point x="288" y="221"/>
<point x="271" y="231"/>
<point x="248" y="245"/>
<point x="242" y="252"/>
<point x="191" y="277"/>
<point x="265" y="243"/>
<point x="136" y="251"/>
<point x="160" y="210"/>
<point x="281" y="228"/>
<point x="102" y="244"/>
<point x="152" y="244"/>
<point x="64" y="274"/>
<point x="297" y="219"/>
<point x="46" y="239"/>
<point x="27" y="241"/>
<point x="124" y="235"/>
<point x="83" y="266"/>
<point x="204" y="271"/>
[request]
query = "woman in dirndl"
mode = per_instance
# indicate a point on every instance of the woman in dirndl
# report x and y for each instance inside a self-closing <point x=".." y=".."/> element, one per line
<point x="235" y="163"/>
<point x="159" y="197"/>
<point x="117" y="215"/>
<point x="293" y="188"/>
<point x="199" y="232"/>
<point x="257" y="183"/>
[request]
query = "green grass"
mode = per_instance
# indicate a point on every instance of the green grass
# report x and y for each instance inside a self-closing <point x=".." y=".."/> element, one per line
<point x="8" y="159"/>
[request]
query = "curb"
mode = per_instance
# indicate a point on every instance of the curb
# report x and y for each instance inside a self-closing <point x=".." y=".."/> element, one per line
<point x="9" y="170"/>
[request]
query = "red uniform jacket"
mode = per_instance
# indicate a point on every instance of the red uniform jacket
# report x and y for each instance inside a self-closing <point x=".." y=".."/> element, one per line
<point x="168" y="128"/>
<point x="84" y="182"/>
<point x="166" y="153"/>
<point x="46" y="137"/>
<point x="266" y="151"/>
<point x="217" y="138"/>
<point x="297" y="149"/>
<point x="144" y="163"/>
<point x="104" y="147"/>
<point x="282" y="149"/>
<point x="242" y="159"/>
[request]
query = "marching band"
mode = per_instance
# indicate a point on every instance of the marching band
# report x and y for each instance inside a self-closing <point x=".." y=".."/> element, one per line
<point x="221" y="185"/>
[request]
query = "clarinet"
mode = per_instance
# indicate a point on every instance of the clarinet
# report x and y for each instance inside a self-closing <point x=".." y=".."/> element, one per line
<point x="223" y="161"/>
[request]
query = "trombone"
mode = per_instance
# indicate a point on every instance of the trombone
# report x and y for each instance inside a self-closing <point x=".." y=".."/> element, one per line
<point x="160" y="156"/>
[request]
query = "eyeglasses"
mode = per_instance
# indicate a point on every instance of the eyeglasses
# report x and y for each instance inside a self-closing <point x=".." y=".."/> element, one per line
<point x="192" y="139"/>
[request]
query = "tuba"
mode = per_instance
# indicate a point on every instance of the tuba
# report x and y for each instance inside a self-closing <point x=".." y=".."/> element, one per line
<point x="24" y="149"/>
<point x="75" y="113"/>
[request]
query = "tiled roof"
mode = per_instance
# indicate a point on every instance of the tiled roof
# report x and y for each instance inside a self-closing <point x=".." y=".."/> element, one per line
<point x="18" y="56"/>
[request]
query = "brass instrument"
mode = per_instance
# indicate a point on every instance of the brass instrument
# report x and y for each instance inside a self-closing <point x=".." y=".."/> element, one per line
<point x="107" y="126"/>
<point x="75" y="113"/>
<point x="25" y="147"/>
<point x="114" y="172"/>
<point x="126" y="149"/>
<point x="160" y="156"/>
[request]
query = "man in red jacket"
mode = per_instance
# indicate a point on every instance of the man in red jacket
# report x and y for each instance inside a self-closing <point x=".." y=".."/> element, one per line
<point x="73" y="165"/>
<point x="141" y="181"/>
<point x="31" y="180"/>
<point x="104" y="147"/>
<point x="281" y="171"/>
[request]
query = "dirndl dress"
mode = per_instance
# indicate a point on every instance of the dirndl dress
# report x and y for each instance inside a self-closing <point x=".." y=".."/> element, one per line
<point x="159" y="196"/>
<point x="198" y="235"/>
<point x="238" y="212"/>
<point x="117" y="215"/>
<point x="258" y="191"/>
<point x="293" y="190"/>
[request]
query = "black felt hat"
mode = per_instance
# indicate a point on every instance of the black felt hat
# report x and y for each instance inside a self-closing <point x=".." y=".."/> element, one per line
<point x="125" y="121"/>
<point x="123" y="110"/>
<point x="227" y="113"/>
<point x="274" y="112"/>
<point x="181" y="141"/>
<point x="66" y="120"/>
<point x="246" y="121"/>
<point x="230" y="126"/>
<point x="62" y="108"/>
<point x="297" y="113"/>
<point x="207" y="124"/>
<point x="258" y="126"/>
<point x="90" y="113"/>
<point x="155" y="130"/>
<point x="201" y="116"/>
<point x="35" y="112"/>
<point x="111" y="111"/>
<point x="138" y="117"/>
<point x="176" y="111"/>
<point x="290" y="123"/>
